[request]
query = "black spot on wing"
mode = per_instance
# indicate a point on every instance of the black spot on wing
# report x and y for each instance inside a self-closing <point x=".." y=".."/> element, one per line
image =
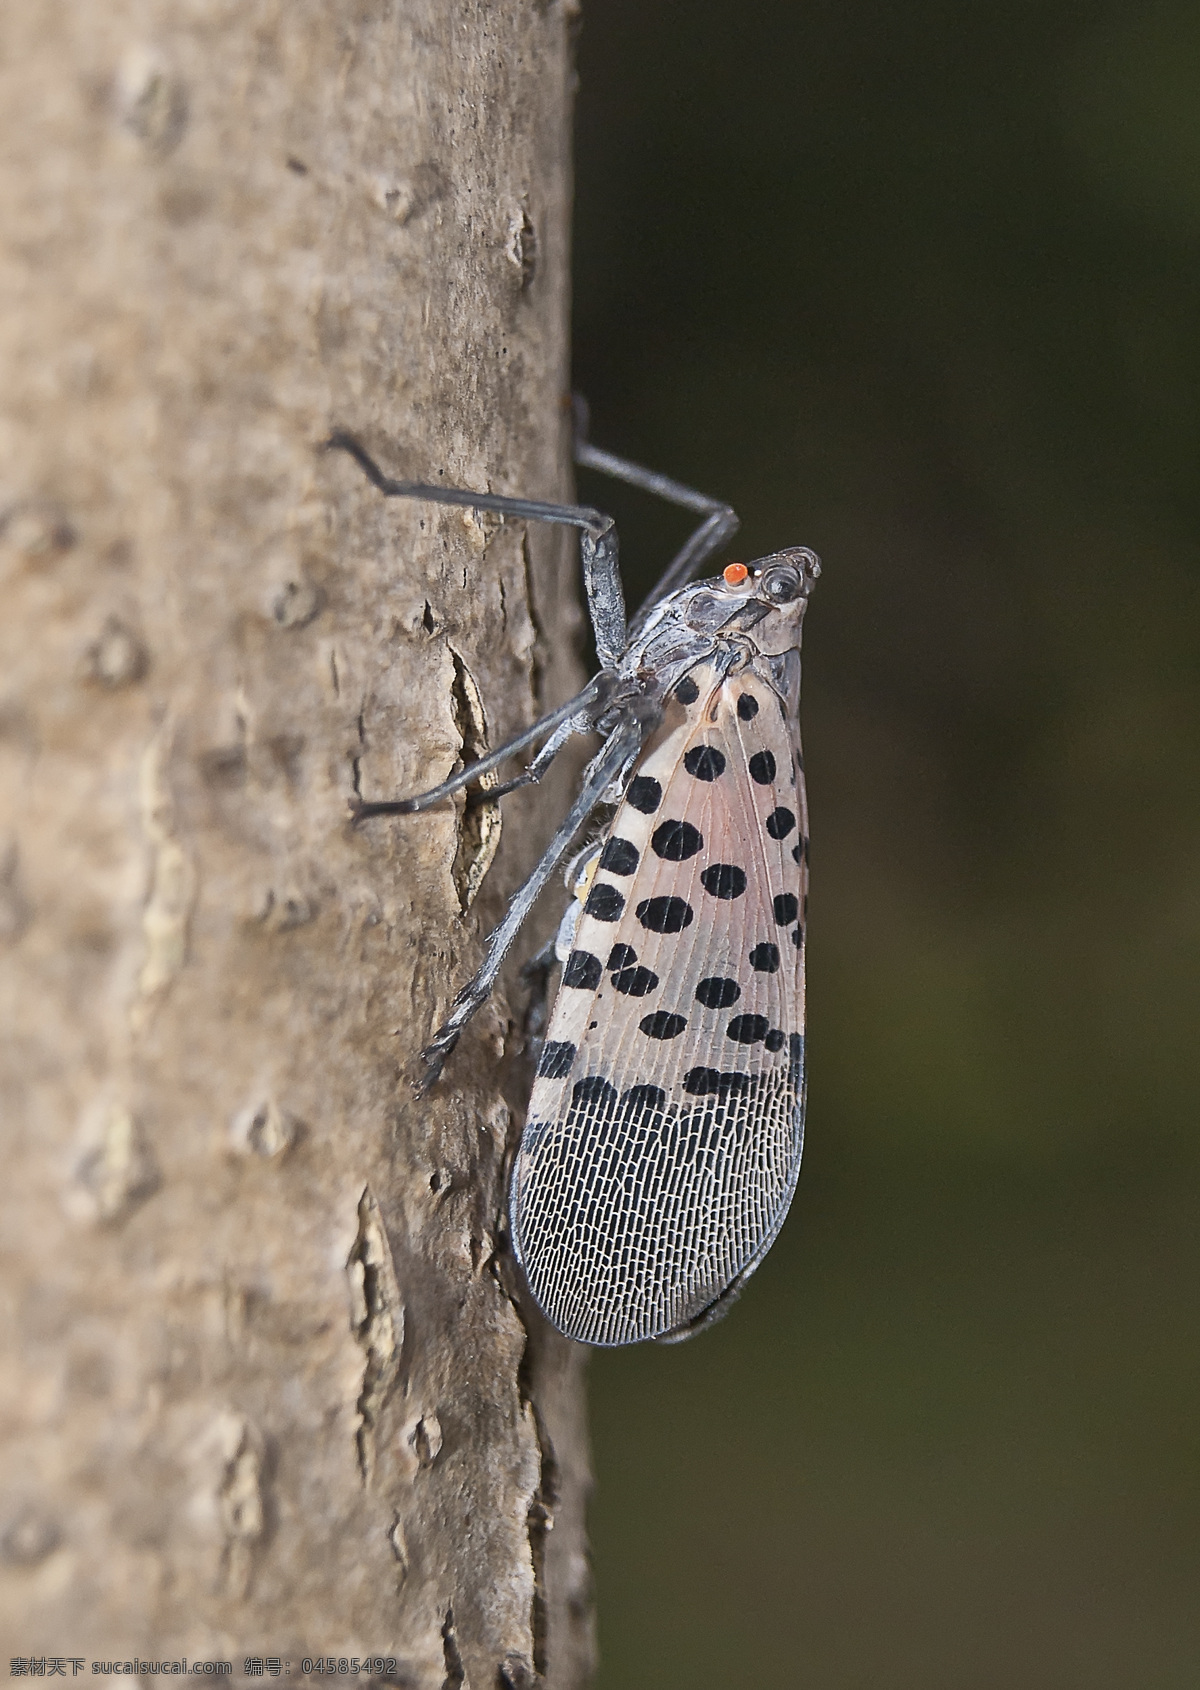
<point x="704" y="762"/>
<point x="748" y="1029"/>
<point x="556" y="1060"/>
<point x="797" y="936"/>
<point x="800" y="851"/>
<point x="775" y="1039"/>
<point x="645" y="794"/>
<point x="662" y="1025"/>
<point x="779" y="824"/>
<point x="676" y="841"/>
<point x="747" y="707"/>
<point x="593" y="1094"/>
<point x="605" y="903"/>
<point x="687" y="692"/>
<point x="621" y="956"/>
<point x="583" y="970"/>
<point x="707" y="1082"/>
<point x="533" y="1134"/>
<point x="620" y="856"/>
<point x="718" y="992"/>
<point x="634" y="982"/>
<point x="786" y="907"/>
<point x="640" y="1100"/>
<point x="723" y="880"/>
<point x="665" y="915"/>
<point x="762" y="767"/>
<point x="765" y="958"/>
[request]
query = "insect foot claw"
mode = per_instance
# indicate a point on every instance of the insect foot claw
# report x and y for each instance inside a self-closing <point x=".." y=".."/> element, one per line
<point x="434" y="1057"/>
<point x="430" y="1077"/>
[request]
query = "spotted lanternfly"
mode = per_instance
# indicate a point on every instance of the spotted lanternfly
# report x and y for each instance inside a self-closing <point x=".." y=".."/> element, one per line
<point x="664" y="1132"/>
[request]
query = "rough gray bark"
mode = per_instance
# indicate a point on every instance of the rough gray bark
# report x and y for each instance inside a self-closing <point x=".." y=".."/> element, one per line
<point x="269" y="1391"/>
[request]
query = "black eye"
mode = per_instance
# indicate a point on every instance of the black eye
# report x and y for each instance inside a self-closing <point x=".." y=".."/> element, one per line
<point x="781" y="585"/>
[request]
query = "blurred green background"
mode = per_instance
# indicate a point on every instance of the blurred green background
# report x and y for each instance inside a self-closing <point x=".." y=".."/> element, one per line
<point x="919" y="285"/>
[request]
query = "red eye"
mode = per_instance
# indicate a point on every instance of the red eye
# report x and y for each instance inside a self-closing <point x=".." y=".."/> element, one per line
<point x="735" y="574"/>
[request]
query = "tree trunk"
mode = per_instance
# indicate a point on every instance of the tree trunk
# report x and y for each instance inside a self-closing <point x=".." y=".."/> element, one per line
<point x="272" y="1393"/>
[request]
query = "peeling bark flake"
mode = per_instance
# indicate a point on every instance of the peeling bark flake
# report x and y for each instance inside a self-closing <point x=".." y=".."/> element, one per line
<point x="377" y="1321"/>
<point x="172" y="887"/>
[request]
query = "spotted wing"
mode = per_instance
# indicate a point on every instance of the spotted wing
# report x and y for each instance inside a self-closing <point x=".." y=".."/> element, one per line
<point x="666" y="1123"/>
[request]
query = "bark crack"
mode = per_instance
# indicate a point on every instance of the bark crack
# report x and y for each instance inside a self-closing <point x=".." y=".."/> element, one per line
<point x="537" y="646"/>
<point x="456" y="1673"/>
<point x="377" y="1321"/>
<point x="539" y="1516"/>
<point x="240" y="1501"/>
<point x="479" y="825"/>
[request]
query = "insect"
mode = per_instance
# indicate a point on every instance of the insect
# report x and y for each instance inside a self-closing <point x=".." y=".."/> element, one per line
<point x="664" y="1132"/>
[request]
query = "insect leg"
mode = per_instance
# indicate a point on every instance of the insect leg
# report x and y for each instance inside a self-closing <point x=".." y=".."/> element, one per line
<point x="622" y="744"/>
<point x="541" y="962"/>
<point x="530" y="776"/>
<point x="720" y="520"/>
<point x="597" y="538"/>
<point x="575" y="716"/>
<point x="536" y="975"/>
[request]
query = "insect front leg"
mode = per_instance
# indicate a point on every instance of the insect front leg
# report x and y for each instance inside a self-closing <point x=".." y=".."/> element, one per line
<point x="597" y="538"/>
<point x="720" y="520"/>
<point x="614" y="756"/>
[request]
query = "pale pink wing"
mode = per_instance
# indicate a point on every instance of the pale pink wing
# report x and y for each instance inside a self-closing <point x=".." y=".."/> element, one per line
<point x="666" y="1123"/>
